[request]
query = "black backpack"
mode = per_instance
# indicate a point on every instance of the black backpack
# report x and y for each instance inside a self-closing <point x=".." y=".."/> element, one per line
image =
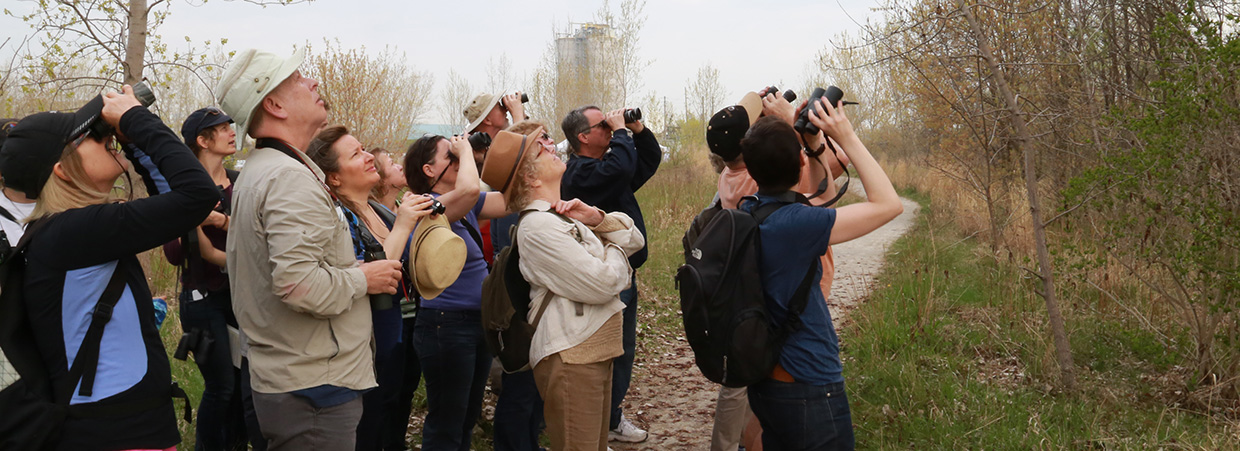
<point x="33" y="408"/>
<point x="506" y="304"/>
<point x="734" y="340"/>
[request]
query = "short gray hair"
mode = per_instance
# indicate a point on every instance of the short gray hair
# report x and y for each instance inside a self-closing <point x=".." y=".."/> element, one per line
<point x="574" y="123"/>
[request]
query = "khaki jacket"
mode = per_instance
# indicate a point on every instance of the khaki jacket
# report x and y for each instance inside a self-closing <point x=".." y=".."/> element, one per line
<point x="584" y="269"/>
<point x="297" y="292"/>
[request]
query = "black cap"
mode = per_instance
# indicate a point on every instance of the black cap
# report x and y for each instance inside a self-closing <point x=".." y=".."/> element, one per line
<point x="725" y="130"/>
<point x="201" y="120"/>
<point x="33" y="146"/>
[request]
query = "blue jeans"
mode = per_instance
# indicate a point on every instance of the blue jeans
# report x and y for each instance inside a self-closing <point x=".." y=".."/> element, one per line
<point x="518" y="414"/>
<point x="796" y="416"/>
<point x="622" y="369"/>
<point x="411" y="377"/>
<point x="455" y="363"/>
<point x="220" y="424"/>
<point x="389" y="363"/>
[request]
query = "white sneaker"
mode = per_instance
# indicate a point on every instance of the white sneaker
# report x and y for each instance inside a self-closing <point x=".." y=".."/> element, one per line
<point x="627" y="432"/>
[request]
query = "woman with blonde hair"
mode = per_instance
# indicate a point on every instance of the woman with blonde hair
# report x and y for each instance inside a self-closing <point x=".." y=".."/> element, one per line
<point x="111" y="370"/>
<point x="575" y="258"/>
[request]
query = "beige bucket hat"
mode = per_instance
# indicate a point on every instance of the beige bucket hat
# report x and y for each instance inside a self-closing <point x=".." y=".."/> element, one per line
<point x="250" y="76"/>
<point x="436" y="256"/>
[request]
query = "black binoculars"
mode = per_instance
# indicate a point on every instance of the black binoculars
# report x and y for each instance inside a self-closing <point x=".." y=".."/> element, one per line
<point x="525" y="98"/>
<point x="789" y="95"/>
<point x="96" y="126"/>
<point x="196" y="340"/>
<point x="832" y="94"/>
<point x="374" y="252"/>
<point x="479" y="141"/>
<point x="632" y="115"/>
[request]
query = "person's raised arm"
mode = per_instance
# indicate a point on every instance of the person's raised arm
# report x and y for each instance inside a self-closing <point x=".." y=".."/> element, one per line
<point x="464" y="194"/>
<point x="412" y="209"/>
<point x="882" y="203"/>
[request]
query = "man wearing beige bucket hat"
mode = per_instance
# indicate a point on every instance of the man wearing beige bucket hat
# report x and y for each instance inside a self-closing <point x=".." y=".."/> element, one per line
<point x="298" y="292"/>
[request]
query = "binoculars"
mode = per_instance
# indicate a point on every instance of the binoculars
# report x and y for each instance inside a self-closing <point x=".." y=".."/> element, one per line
<point x="196" y="340"/>
<point x="632" y="115"/>
<point x="525" y="98"/>
<point x="479" y="141"/>
<point x="96" y="126"/>
<point x="832" y="94"/>
<point x="374" y="252"/>
<point x="437" y="207"/>
<point x="789" y="95"/>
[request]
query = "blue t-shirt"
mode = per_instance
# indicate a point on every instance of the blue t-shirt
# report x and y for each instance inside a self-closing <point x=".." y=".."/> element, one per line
<point x="793" y="238"/>
<point x="466" y="292"/>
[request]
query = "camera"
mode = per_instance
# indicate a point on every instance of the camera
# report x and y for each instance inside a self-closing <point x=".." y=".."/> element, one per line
<point x="632" y="115"/>
<point x="99" y="128"/>
<point x="437" y="207"/>
<point x="479" y="141"/>
<point x="832" y="94"/>
<point x="789" y="95"/>
<point x="374" y="252"/>
<point x="195" y="340"/>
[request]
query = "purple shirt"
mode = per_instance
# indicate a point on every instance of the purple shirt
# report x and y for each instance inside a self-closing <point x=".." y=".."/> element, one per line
<point x="466" y="292"/>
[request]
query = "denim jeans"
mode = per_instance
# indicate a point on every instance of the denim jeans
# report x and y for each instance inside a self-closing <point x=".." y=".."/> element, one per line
<point x="389" y="363"/>
<point x="518" y="413"/>
<point x="796" y="416"/>
<point x="220" y="425"/>
<point x="411" y="377"/>
<point x="455" y="363"/>
<point x="622" y="370"/>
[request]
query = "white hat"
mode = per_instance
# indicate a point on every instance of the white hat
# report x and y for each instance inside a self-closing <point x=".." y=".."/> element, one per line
<point x="249" y="78"/>
<point x="479" y="108"/>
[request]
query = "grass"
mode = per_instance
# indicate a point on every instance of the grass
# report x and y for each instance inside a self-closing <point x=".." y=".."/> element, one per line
<point x="951" y="352"/>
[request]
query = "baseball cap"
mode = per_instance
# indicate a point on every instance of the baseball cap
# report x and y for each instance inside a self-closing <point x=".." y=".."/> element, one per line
<point x="33" y="147"/>
<point x="200" y="120"/>
<point x="726" y="128"/>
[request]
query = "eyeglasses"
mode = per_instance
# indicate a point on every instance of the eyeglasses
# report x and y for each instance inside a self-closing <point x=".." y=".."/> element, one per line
<point x="600" y="124"/>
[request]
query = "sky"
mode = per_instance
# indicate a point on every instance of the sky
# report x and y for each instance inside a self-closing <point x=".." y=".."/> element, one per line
<point x="752" y="43"/>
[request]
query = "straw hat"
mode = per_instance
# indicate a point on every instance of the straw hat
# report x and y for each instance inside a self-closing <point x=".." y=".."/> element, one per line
<point x="508" y="149"/>
<point x="437" y="256"/>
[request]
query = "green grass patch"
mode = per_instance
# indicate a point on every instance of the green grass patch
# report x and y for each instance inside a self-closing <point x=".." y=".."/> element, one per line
<point x="951" y="352"/>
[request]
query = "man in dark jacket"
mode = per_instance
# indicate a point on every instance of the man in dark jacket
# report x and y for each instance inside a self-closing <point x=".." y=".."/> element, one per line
<point x="606" y="165"/>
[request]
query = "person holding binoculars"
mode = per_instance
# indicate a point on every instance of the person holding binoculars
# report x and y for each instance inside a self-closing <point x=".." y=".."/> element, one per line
<point x="606" y="166"/>
<point x="351" y="175"/>
<point x="448" y="332"/>
<point x="107" y="364"/>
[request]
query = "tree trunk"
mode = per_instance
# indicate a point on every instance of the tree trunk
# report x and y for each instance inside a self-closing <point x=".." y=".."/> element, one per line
<point x="1063" y="352"/>
<point x="135" y="45"/>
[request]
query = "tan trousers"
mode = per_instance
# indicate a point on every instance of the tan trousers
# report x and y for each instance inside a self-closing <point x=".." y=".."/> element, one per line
<point x="731" y="414"/>
<point x="576" y="403"/>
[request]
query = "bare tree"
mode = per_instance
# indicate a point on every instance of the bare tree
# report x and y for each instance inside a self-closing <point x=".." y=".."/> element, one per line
<point x="453" y="98"/>
<point x="703" y="95"/>
<point x="378" y="96"/>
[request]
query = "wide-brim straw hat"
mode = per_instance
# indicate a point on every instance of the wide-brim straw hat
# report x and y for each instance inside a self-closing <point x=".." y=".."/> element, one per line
<point x="507" y="151"/>
<point x="436" y="256"/>
<point x="479" y="108"/>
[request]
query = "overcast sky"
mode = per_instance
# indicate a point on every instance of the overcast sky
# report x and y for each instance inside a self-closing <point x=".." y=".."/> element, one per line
<point x="752" y="43"/>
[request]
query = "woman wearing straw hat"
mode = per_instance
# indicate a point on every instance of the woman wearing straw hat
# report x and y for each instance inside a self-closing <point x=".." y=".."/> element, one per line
<point x="448" y="332"/>
<point x="351" y="175"/>
<point x="575" y="258"/>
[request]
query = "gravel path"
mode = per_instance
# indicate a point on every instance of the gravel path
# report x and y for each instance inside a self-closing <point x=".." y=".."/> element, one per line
<point x="676" y="404"/>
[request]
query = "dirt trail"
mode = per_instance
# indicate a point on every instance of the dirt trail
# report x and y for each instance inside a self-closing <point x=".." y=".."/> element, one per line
<point x="676" y="404"/>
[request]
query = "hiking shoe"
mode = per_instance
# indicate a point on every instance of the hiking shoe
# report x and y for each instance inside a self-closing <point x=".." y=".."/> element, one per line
<point x="627" y="432"/>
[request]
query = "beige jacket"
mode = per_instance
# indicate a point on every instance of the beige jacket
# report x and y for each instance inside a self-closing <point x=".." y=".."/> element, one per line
<point x="296" y="288"/>
<point x="585" y="269"/>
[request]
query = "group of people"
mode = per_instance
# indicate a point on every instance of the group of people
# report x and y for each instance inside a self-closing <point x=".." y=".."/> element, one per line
<point x="326" y="280"/>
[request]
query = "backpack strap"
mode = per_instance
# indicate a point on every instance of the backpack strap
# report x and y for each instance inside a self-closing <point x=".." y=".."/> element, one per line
<point x="87" y="360"/>
<point x="800" y="298"/>
<point x="477" y="237"/>
<point x="6" y="215"/>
